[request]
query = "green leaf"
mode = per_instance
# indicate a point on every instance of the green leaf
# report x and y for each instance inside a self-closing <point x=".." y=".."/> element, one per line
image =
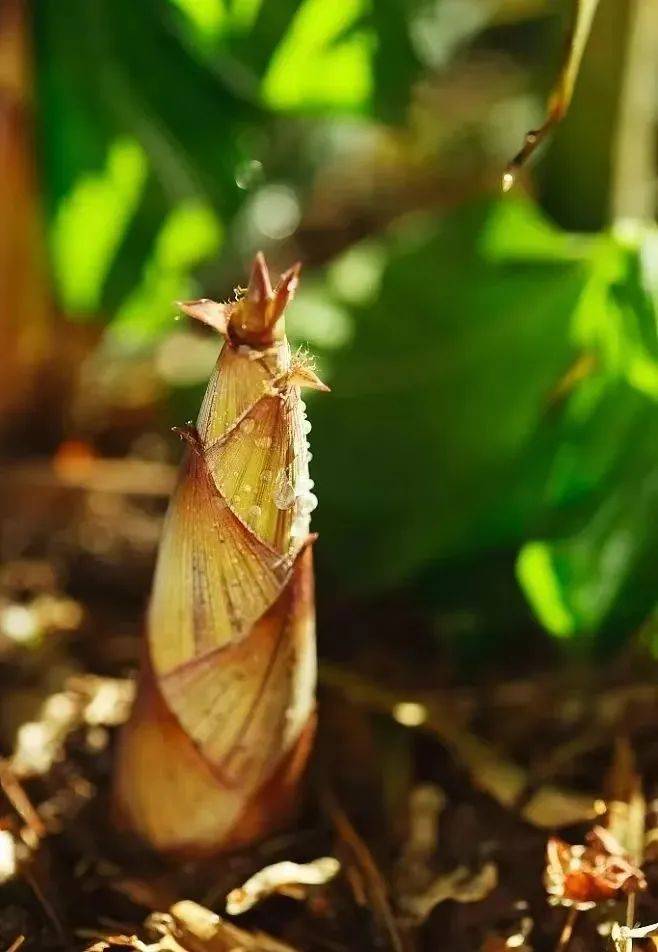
<point x="595" y="571"/>
<point x="595" y="577"/>
<point x="82" y="255"/>
<point x="324" y="59"/>
<point x="189" y="235"/>
<point x="136" y="124"/>
<point x="420" y="449"/>
<point x="498" y="392"/>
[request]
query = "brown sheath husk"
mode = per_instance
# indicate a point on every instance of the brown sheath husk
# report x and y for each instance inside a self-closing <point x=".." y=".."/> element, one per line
<point x="216" y="746"/>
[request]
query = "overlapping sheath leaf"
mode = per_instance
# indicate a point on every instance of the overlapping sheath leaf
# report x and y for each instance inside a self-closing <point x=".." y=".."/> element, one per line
<point x="225" y="713"/>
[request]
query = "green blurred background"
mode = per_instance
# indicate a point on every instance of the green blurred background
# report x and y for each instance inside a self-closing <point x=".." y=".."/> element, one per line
<point x="487" y="461"/>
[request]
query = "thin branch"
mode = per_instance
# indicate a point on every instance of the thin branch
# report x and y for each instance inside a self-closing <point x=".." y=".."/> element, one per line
<point x="567" y="930"/>
<point x="560" y="97"/>
<point x="373" y="885"/>
<point x="20" y="801"/>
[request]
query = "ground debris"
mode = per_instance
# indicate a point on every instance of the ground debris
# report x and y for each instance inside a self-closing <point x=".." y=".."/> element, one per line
<point x="286" y="878"/>
<point x="8" y="859"/>
<point x="459" y="885"/>
<point x="369" y="887"/>
<point x="418" y="888"/>
<point x="190" y="927"/>
<point x="547" y="806"/>
<point x="87" y="700"/>
<point x="436" y="812"/>
<point x="416" y="865"/>
<point x="622" y="936"/>
<point x="584" y="875"/>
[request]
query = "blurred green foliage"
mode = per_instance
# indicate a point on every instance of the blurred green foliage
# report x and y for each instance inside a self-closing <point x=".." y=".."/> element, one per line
<point x="500" y="391"/>
<point x="494" y="377"/>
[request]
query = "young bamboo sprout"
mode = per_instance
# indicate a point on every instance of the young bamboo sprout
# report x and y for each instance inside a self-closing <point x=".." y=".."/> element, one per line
<point x="216" y="746"/>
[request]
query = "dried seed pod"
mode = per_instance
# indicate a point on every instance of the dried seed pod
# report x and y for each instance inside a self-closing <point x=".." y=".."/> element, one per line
<point x="217" y="743"/>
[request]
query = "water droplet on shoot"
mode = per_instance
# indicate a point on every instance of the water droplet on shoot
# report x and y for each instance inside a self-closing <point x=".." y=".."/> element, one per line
<point x="299" y="528"/>
<point x="284" y="496"/>
<point x="308" y="502"/>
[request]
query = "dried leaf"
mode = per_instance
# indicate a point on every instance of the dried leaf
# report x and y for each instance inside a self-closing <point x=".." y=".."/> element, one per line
<point x="584" y="875"/>
<point x="622" y="936"/>
<point x="190" y="927"/>
<point x="201" y="930"/>
<point x="111" y="942"/>
<point x="8" y="860"/>
<point x="277" y="879"/>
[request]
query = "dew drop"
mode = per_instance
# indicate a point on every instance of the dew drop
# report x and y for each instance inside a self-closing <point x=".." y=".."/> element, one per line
<point x="507" y="181"/>
<point x="308" y="502"/>
<point x="299" y="528"/>
<point x="304" y="484"/>
<point x="306" y="426"/>
<point x="247" y="425"/>
<point x="284" y="496"/>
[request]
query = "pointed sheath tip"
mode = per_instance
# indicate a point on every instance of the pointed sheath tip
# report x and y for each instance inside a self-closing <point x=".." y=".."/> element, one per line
<point x="304" y="376"/>
<point x="288" y="281"/>
<point x="208" y="312"/>
<point x="285" y="289"/>
<point x="260" y="288"/>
